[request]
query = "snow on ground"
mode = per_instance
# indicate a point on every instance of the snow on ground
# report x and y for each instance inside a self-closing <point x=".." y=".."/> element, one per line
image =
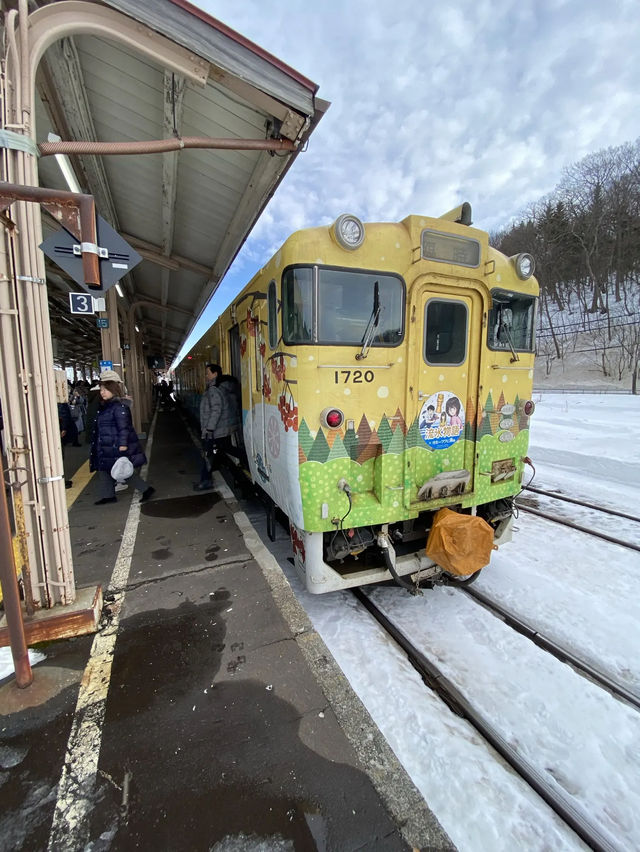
<point x="6" y="661"/>
<point x="584" y="597"/>
<point x="590" y="442"/>
<point x="567" y="728"/>
<point x="580" y="591"/>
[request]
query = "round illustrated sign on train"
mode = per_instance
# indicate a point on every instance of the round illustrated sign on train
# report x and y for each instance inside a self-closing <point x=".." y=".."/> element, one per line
<point x="441" y="420"/>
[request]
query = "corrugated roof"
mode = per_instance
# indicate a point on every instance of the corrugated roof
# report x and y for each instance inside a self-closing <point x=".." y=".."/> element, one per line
<point x="188" y="212"/>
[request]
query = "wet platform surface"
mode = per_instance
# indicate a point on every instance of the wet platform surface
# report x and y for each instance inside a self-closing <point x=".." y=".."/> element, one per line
<point x="221" y="724"/>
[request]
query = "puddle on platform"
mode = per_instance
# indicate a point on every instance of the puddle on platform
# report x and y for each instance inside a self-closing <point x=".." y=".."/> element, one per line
<point x="181" y="507"/>
<point x="162" y="553"/>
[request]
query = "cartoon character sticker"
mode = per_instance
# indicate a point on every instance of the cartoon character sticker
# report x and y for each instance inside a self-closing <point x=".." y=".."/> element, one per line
<point x="441" y="420"/>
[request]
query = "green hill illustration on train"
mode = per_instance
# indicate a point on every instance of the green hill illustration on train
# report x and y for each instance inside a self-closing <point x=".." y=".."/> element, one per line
<point x="386" y="373"/>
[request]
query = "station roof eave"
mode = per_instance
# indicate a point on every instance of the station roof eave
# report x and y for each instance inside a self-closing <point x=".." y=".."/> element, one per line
<point x="187" y="212"/>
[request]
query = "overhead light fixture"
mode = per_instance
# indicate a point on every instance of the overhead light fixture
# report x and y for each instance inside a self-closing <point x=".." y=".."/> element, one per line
<point x="137" y="329"/>
<point x="119" y="291"/>
<point x="65" y="166"/>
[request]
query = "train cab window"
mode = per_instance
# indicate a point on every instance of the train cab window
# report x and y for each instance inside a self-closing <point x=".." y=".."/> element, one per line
<point x="354" y="305"/>
<point x="345" y="306"/>
<point x="297" y="305"/>
<point x="445" y="332"/>
<point x="511" y="321"/>
<point x="272" y="304"/>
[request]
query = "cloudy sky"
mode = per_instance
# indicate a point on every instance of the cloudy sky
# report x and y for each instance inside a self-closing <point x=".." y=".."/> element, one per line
<point x="435" y="104"/>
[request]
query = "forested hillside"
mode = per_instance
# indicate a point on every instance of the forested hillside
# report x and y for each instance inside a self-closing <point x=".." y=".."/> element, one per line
<point x="585" y="238"/>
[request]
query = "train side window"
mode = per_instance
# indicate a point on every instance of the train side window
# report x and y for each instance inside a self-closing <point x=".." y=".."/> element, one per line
<point x="511" y="321"/>
<point x="297" y="305"/>
<point x="445" y="339"/>
<point x="272" y="304"/>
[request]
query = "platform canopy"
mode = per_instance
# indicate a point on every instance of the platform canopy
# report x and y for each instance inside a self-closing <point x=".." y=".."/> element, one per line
<point x="186" y="212"/>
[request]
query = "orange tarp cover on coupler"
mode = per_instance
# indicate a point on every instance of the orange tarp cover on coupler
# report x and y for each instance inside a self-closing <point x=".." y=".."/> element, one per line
<point x="460" y="544"/>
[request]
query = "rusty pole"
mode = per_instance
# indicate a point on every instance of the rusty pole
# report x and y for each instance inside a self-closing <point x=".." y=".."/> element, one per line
<point x="80" y="219"/>
<point x="11" y="597"/>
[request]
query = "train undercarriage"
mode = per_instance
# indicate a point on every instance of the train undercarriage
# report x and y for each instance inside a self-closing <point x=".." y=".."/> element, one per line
<point x="352" y="557"/>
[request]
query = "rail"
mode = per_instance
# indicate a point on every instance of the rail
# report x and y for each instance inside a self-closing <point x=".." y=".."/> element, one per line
<point x="454" y="699"/>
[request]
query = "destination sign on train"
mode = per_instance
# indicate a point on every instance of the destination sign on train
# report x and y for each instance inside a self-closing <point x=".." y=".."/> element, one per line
<point x="449" y="248"/>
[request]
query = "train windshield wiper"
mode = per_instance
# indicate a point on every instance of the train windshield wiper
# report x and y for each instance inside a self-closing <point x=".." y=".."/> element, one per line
<point x="372" y="325"/>
<point x="503" y="329"/>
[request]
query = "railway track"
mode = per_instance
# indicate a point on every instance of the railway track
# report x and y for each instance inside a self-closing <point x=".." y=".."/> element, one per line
<point x="586" y="504"/>
<point x="614" y="539"/>
<point x="582" y="667"/>
<point x="451" y="695"/>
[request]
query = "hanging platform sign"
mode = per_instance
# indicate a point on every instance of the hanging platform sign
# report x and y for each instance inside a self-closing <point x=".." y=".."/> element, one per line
<point x="116" y="256"/>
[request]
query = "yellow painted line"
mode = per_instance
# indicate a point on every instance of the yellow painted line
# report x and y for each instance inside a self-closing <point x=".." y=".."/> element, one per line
<point x="81" y="479"/>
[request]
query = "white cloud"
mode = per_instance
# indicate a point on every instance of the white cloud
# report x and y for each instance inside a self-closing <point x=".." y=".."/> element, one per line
<point x="433" y="105"/>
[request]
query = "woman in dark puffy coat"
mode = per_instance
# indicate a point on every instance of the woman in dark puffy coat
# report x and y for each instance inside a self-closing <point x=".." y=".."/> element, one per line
<point x="113" y="436"/>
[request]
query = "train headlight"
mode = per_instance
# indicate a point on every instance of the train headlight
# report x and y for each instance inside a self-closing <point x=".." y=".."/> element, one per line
<point x="332" y="418"/>
<point x="348" y="231"/>
<point x="524" y="265"/>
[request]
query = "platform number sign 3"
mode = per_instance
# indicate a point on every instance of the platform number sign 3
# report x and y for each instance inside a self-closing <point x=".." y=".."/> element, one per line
<point x="81" y="303"/>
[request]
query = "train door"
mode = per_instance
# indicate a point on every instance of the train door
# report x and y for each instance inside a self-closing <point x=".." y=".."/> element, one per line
<point x="443" y="391"/>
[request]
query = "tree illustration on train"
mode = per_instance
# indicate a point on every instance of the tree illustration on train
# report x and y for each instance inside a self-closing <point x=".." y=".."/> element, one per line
<point x="386" y="373"/>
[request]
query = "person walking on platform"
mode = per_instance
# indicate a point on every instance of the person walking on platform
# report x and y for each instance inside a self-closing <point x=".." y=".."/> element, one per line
<point x="68" y="435"/>
<point x="220" y="421"/>
<point x="211" y="404"/>
<point x="93" y="404"/>
<point x="232" y="443"/>
<point x="113" y="436"/>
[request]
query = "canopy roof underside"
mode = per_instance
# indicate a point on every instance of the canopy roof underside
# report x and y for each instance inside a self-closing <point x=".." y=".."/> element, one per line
<point x="186" y="212"/>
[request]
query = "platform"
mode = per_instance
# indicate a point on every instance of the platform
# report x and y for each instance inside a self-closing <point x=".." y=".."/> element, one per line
<point x="206" y="713"/>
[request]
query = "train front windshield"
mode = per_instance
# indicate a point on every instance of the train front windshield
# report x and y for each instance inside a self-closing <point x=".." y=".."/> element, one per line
<point x="348" y="303"/>
<point x="511" y="321"/>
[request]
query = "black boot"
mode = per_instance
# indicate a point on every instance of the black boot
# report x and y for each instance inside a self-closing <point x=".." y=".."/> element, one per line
<point x="105" y="500"/>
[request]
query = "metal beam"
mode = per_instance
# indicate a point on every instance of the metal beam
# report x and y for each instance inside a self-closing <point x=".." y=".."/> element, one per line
<point x="51" y="23"/>
<point x="291" y="122"/>
<point x="260" y="186"/>
<point x="153" y="254"/>
<point x="173" y="109"/>
<point x="62" y="89"/>
<point x="167" y="307"/>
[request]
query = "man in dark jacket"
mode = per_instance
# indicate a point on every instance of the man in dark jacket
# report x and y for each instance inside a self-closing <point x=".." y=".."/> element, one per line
<point x="220" y="422"/>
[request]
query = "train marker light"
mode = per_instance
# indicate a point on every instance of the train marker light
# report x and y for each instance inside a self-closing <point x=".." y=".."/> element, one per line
<point x="348" y="231"/>
<point x="332" y="418"/>
<point x="529" y="407"/>
<point x="524" y="264"/>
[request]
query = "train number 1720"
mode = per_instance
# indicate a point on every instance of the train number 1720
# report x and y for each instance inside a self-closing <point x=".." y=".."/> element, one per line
<point x="355" y="376"/>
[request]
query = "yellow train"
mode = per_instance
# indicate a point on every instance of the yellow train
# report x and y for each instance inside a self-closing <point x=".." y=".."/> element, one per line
<point x="386" y="373"/>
